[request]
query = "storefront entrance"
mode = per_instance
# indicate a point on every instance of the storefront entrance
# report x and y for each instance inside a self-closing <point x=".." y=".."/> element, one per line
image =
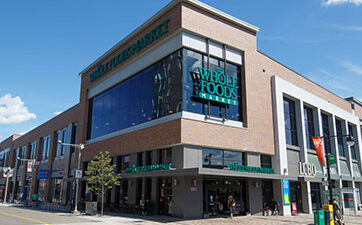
<point x="216" y="193"/>
<point x="165" y="200"/>
<point x="296" y="195"/>
<point x="316" y="195"/>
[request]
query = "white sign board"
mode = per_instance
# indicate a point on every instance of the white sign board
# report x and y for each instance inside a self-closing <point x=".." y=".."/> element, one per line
<point x="307" y="169"/>
<point x="30" y="167"/>
<point x="8" y="172"/>
<point x="78" y="174"/>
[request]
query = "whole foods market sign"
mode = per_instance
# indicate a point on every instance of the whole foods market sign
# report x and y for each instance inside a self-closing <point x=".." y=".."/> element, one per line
<point x="140" y="169"/>
<point x="250" y="169"/>
<point x="131" y="50"/>
<point x="217" y="86"/>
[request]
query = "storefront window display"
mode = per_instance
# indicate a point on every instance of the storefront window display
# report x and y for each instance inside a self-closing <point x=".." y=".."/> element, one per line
<point x="57" y="187"/>
<point x="216" y="192"/>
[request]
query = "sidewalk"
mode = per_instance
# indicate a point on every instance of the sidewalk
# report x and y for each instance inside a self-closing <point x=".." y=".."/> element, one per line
<point x="301" y="219"/>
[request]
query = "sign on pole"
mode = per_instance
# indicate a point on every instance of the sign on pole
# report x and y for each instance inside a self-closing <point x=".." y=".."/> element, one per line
<point x="78" y="174"/>
<point x="286" y="194"/>
<point x="8" y="172"/>
<point x="332" y="159"/>
<point x="318" y="146"/>
<point x="30" y="167"/>
<point x="43" y="174"/>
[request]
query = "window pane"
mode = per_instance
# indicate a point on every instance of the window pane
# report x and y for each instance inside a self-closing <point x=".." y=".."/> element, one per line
<point x="192" y="86"/>
<point x="150" y="94"/>
<point x="212" y="158"/>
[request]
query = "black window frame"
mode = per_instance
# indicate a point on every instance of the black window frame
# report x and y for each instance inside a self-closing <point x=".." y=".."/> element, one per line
<point x="290" y="114"/>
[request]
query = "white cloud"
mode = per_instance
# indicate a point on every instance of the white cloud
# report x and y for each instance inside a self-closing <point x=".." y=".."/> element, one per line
<point x="57" y="113"/>
<point x="340" y="2"/>
<point x="347" y="28"/>
<point x="352" y="67"/>
<point x="24" y="132"/>
<point x="13" y="110"/>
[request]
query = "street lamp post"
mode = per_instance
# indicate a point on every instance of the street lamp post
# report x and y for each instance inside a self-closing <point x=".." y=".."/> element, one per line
<point x="350" y="142"/>
<point x="80" y="147"/>
<point x="7" y="171"/>
<point x="33" y="163"/>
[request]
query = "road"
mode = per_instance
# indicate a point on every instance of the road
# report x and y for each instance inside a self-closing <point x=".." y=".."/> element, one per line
<point x="28" y="216"/>
<point x="10" y="215"/>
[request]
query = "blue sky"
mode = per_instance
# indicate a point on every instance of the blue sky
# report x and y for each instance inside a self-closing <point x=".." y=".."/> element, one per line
<point x="45" y="44"/>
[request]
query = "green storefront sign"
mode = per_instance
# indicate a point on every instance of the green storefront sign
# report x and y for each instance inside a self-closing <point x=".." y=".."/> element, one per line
<point x="250" y="169"/>
<point x="141" y="169"/>
<point x="217" y="86"/>
<point x="131" y="50"/>
<point x="332" y="159"/>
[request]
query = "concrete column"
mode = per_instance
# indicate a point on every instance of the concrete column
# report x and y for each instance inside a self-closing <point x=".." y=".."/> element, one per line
<point x="132" y="186"/>
<point x="335" y="143"/>
<point x="285" y="210"/>
<point x="253" y="159"/>
<point x="280" y="160"/>
<point x="307" y="199"/>
<point x="255" y="196"/>
<point x="155" y="194"/>
<point x="187" y="197"/>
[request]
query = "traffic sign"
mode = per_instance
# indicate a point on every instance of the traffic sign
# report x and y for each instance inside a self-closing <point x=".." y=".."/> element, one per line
<point x="78" y="174"/>
<point x="30" y="166"/>
<point x="332" y="159"/>
<point x="43" y="174"/>
<point x="8" y="172"/>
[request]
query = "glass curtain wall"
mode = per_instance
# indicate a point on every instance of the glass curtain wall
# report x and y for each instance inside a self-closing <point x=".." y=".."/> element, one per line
<point x="166" y="87"/>
<point x="150" y="94"/>
<point x="191" y="85"/>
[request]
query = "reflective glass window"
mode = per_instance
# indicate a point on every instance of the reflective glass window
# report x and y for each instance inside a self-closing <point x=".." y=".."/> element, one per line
<point x="192" y="86"/>
<point x="212" y="158"/>
<point x="290" y="122"/>
<point x="150" y="94"/>
<point x="340" y="138"/>
<point x="309" y="126"/>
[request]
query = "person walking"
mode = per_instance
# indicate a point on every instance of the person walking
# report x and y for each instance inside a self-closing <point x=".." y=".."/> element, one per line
<point x="337" y="212"/>
<point x="231" y="205"/>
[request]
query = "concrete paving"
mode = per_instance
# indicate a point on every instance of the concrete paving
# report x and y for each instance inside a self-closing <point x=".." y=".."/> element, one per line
<point x="17" y="215"/>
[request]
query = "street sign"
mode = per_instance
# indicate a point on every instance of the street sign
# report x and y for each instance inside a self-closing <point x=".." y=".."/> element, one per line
<point x="8" y="172"/>
<point x="30" y="167"/>
<point x="285" y="184"/>
<point x="332" y="159"/>
<point x="294" y="208"/>
<point x="43" y="174"/>
<point x="78" y="174"/>
<point x="325" y="182"/>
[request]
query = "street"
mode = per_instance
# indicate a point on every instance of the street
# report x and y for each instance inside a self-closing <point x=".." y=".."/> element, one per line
<point x="11" y="215"/>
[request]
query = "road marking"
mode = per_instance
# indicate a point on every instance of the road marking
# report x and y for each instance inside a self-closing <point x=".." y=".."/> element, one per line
<point x="37" y="221"/>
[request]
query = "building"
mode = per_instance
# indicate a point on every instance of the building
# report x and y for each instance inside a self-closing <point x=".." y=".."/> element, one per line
<point x="192" y="112"/>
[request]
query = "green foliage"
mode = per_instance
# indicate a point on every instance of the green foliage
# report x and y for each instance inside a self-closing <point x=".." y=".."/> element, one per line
<point x="101" y="176"/>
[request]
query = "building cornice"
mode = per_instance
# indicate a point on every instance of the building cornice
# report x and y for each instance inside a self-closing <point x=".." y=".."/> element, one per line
<point x="166" y="8"/>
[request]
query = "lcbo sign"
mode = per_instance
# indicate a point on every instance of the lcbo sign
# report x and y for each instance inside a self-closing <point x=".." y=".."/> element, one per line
<point x="217" y="86"/>
<point x="306" y="169"/>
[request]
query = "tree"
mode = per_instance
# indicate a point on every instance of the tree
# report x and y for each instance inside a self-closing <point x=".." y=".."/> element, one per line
<point x="101" y="176"/>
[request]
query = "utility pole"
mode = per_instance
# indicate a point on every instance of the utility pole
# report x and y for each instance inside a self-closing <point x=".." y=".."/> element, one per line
<point x="80" y="148"/>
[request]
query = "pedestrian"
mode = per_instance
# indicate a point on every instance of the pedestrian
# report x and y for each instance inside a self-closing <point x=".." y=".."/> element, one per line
<point x="266" y="209"/>
<point x="231" y="205"/>
<point x="337" y="212"/>
<point x="148" y="207"/>
<point x="274" y="207"/>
